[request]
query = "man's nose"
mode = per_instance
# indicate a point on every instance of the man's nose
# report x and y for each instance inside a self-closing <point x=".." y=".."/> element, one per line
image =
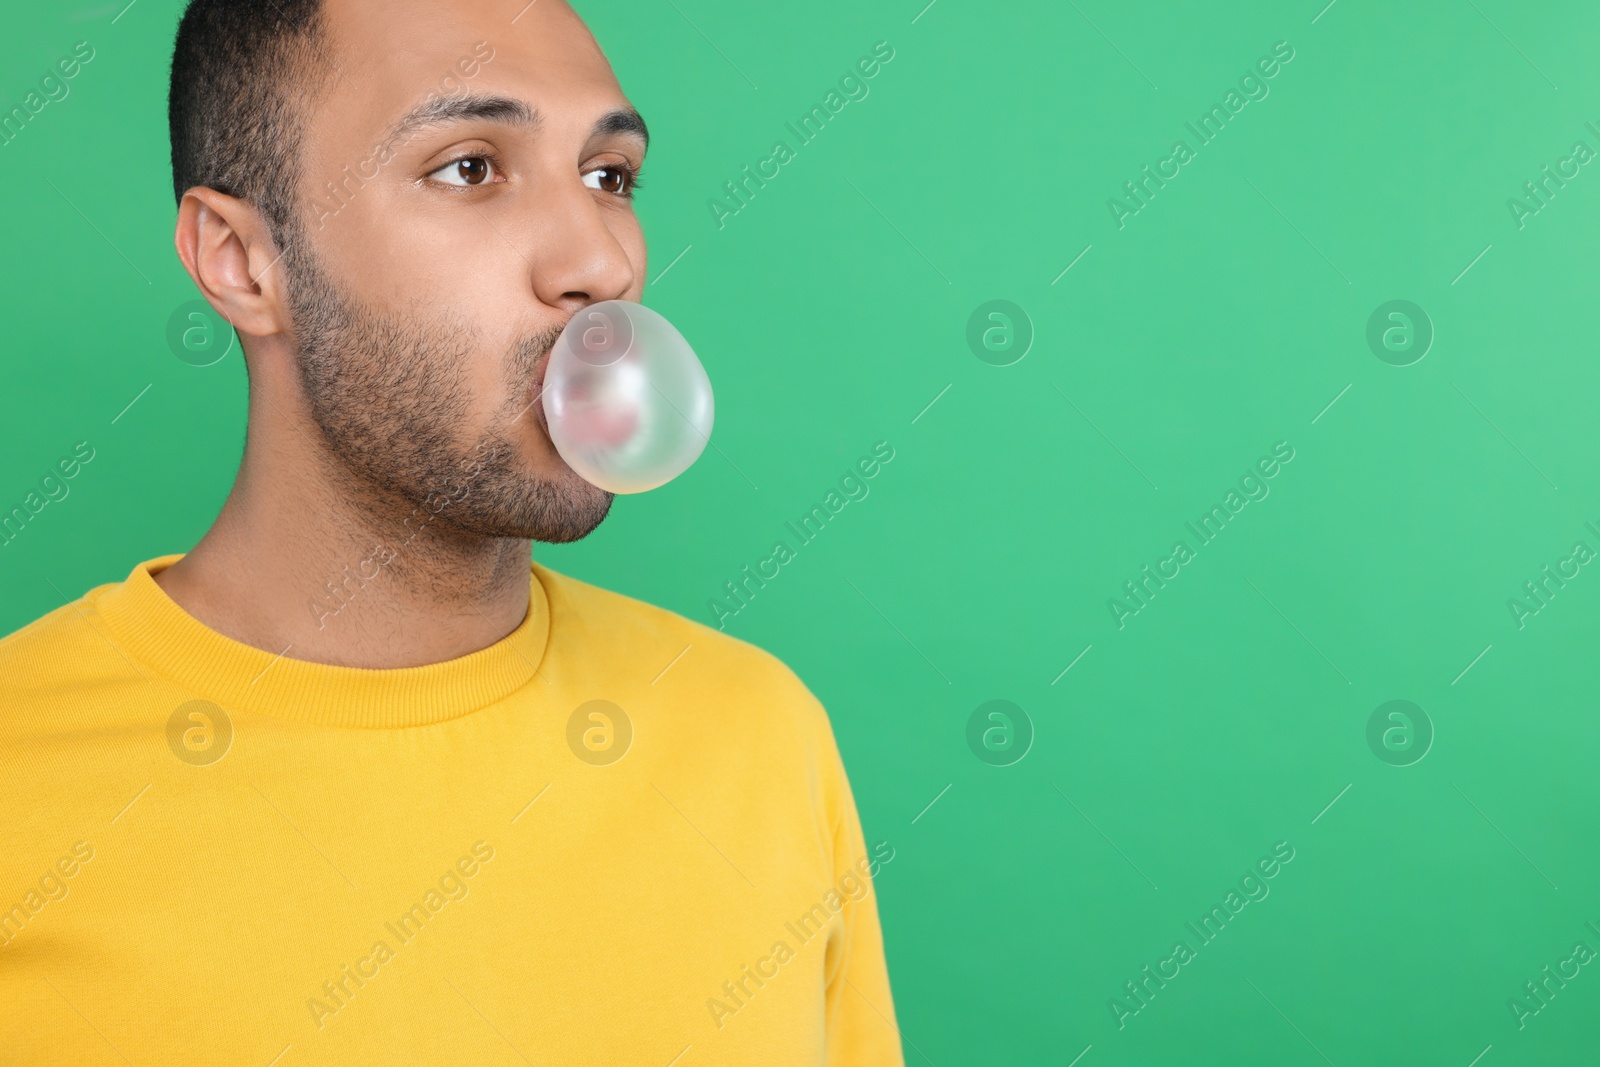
<point x="576" y="258"/>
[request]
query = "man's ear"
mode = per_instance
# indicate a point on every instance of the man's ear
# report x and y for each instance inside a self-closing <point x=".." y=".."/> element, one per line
<point x="226" y="247"/>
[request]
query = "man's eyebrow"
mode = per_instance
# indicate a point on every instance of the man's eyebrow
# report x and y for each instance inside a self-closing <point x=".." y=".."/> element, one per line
<point x="484" y="107"/>
<point x="442" y="111"/>
<point x="623" y="120"/>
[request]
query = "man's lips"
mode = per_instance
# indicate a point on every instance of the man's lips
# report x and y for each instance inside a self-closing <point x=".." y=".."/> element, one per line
<point x="534" y="403"/>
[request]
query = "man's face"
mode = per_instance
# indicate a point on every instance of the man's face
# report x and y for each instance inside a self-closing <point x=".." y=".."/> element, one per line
<point x="428" y="282"/>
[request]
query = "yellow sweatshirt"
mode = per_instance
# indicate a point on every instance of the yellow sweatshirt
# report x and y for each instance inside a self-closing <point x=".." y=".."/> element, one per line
<point x="615" y="836"/>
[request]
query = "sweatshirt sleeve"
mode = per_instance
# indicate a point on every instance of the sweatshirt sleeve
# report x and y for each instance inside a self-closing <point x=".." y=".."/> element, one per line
<point x="861" y="1026"/>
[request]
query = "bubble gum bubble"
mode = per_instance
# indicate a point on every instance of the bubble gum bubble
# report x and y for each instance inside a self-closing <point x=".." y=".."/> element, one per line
<point x="627" y="402"/>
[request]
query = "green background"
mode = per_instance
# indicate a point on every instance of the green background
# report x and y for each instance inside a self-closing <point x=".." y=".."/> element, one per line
<point x="1221" y="319"/>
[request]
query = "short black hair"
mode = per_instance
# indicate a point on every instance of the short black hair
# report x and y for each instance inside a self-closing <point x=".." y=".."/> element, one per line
<point x="242" y="73"/>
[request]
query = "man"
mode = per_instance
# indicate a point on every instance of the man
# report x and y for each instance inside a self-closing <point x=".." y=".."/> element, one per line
<point x="352" y="782"/>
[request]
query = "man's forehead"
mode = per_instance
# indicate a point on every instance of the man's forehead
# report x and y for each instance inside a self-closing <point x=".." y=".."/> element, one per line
<point x="397" y="53"/>
<point x="423" y="25"/>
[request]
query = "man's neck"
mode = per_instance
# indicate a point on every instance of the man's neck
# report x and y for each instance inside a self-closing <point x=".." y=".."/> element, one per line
<point x="296" y="566"/>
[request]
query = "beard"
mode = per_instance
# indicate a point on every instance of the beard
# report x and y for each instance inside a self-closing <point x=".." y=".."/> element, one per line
<point x="390" y="394"/>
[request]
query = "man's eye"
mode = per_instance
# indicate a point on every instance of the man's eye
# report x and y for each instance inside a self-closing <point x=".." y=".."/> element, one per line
<point x="611" y="179"/>
<point x="473" y="170"/>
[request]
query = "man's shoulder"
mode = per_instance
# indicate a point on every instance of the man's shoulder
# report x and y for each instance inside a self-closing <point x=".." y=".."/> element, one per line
<point x="599" y="617"/>
<point x="726" y="699"/>
<point x="66" y="651"/>
<point x="52" y="640"/>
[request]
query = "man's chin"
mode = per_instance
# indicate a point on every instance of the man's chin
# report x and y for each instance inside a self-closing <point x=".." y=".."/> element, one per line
<point x="578" y="510"/>
<point x="554" y="506"/>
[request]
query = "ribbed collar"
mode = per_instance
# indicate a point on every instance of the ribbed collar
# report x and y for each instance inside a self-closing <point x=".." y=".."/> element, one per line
<point x="150" y="627"/>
